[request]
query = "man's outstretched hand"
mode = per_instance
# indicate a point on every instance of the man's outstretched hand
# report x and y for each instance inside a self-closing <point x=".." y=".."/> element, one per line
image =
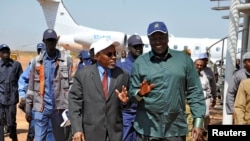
<point x="145" y="88"/>
<point x="123" y="95"/>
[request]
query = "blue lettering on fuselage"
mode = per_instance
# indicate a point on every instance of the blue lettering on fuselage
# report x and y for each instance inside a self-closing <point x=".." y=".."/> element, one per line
<point x="97" y="37"/>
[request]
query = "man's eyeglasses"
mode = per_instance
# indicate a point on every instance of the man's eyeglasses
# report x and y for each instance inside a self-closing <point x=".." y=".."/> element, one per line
<point x="138" y="46"/>
<point x="110" y="54"/>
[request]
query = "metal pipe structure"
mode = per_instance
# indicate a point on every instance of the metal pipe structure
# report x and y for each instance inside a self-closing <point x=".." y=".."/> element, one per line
<point x="231" y="54"/>
<point x="244" y="8"/>
<point x="245" y="34"/>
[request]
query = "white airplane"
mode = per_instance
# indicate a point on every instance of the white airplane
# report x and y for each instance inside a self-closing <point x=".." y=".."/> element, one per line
<point x="198" y="46"/>
<point x="75" y="37"/>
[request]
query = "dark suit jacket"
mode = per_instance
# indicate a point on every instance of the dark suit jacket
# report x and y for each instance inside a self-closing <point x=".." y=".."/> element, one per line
<point x="89" y="111"/>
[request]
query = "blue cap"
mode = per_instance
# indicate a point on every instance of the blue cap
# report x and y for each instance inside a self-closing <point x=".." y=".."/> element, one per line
<point x="134" y="40"/>
<point x="40" y="46"/>
<point x="49" y="34"/>
<point x="84" y="54"/>
<point x="2" y="46"/>
<point x="203" y="56"/>
<point x="157" y="26"/>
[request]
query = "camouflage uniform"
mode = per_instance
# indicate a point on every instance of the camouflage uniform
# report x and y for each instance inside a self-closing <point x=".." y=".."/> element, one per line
<point x="189" y="122"/>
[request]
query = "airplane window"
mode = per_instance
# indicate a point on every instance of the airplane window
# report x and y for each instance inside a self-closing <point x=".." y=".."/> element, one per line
<point x="197" y="48"/>
<point x="175" y="47"/>
<point x="217" y="48"/>
<point x="185" y="47"/>
<point x="239" y="50"/>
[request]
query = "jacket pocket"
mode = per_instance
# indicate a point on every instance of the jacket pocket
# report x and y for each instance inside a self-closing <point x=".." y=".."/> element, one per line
<point x="64" y="76"/>
<point x="36" y="84"/>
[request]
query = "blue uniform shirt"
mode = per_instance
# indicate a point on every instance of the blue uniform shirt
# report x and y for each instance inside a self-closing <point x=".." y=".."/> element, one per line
<point x="50" y="65"/>
<point x="23" y="81"/>
<point x="83" y="64"/>
<point x="127" y="64"/>
<point x="128" y="114"/>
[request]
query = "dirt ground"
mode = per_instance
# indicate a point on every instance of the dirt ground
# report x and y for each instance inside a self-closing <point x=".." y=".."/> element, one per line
<point x="22" y="125"/>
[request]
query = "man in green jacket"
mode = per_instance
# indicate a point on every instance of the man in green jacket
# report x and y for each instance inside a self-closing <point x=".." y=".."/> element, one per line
<point x="161" y="80"/>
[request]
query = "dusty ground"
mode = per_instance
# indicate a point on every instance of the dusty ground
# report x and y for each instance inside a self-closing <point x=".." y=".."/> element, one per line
<point x="22" y="125"/>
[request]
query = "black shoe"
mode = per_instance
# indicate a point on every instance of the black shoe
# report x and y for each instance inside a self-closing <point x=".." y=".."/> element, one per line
<point x="29" y="139"/>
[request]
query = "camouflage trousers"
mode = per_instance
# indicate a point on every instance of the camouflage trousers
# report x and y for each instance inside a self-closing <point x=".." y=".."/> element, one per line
<point x="189" y="122"/>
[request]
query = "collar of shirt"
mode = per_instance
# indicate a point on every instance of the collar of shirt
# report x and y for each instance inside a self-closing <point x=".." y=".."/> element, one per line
<point x="59" y="56"/>
<point x="101" y="70"/>
<point x="49" y="58"/>
<point x="247" y="73"/>
<point x="130" y="57"/>
<point x="2" y="63"/>
<point x="201" y="73"/>
<point x="155" y="58"/>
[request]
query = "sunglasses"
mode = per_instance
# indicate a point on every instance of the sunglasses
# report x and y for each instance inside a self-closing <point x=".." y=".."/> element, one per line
<point x="110" y="54"/>
<point x="51" y="40"/>
<point x="138" y="46"/>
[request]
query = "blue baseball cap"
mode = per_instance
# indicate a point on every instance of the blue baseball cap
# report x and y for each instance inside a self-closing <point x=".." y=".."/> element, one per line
<point x="49" y="34"/>
<point x="84" y="54"/>
<point x="157" y="26"/>
<point x="135" y="40"/>
<point x="203" y="56"/>
<point x="2" y="46"/>
<point x="40" y="46"/>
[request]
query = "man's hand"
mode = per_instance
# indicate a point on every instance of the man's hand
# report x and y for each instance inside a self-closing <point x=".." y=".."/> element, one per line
<point x="145" y="88"/>
<point x="28" y="117"/>
<point x="123" y="95"/>
<point x="22" y="104"/>
<point x="197" y="134"/>
<point x="213" y="103"/>
<point x="78" y="136"/>
<point x="234" y="119"/>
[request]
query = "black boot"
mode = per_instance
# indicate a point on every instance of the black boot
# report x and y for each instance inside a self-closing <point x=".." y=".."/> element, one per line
<point x="13" y="134"/>
<point x="29" y="139"/>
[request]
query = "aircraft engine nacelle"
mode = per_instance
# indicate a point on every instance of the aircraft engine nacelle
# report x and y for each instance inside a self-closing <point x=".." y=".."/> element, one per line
<point x="83" y="40"/>
<point x="87" y="38"/>
<point x="68" y="43"/>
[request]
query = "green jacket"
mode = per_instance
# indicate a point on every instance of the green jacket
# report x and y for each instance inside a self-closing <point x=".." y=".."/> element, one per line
<point x="162" y="112"/>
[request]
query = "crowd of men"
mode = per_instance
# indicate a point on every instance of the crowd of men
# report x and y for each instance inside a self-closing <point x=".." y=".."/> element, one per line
<point x="161" y="95"/>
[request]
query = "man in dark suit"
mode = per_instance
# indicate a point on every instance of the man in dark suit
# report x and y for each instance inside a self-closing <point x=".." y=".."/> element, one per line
<point x="94" y="115"/>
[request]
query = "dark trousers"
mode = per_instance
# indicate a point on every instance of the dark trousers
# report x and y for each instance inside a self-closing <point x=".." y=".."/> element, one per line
<point x="68" y="133"/>
<point x="148" y="138"/>
<point x="8" y="116"/>
<point x="31" y="132"/>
